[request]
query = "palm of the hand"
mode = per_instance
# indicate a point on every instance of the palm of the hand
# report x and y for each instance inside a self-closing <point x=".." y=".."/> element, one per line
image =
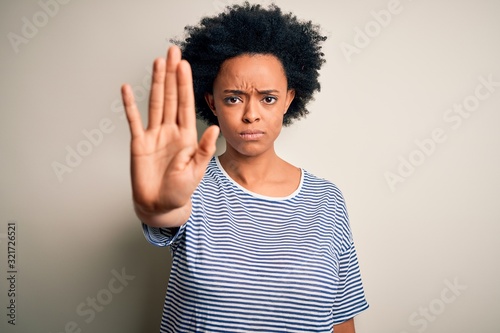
<point x="167" y="162"/>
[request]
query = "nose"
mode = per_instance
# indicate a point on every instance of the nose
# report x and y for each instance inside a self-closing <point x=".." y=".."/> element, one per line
<point x="251" y="113"/>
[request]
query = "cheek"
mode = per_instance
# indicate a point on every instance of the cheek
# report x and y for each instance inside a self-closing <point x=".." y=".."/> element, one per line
<point x="225" y="124"/>
<point x="276" y="124"/>
<point x="279" y="113"/>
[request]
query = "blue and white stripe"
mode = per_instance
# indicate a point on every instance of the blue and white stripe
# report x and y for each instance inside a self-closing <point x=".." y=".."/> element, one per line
<point x="244" y="262"/>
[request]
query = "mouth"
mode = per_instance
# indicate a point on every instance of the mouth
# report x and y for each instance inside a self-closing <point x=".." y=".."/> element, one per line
<point x="251" y="135"/>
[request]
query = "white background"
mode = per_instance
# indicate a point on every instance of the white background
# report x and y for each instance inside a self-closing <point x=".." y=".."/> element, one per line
<point x="436" y="226"/>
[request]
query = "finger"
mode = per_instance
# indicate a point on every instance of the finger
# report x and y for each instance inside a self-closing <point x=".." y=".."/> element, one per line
<point x="156" y="94"/>
<point x="170" y="95"/>
<point x="206" y="147"/>
<point x="133" y="115"/>
<point x="186" y="117"/>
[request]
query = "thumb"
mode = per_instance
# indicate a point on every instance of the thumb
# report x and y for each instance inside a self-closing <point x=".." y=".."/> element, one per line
<point x="206" y="146"/>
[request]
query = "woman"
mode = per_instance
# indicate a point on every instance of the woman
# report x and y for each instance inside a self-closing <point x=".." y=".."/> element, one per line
<point x="258" y="244"/>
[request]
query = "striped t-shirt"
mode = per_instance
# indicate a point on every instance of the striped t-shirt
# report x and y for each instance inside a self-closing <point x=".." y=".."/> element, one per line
<point x="244" y="262"/>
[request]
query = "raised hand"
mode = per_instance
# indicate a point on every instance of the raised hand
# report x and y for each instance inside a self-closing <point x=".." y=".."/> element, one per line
<point x="167" y="162"/>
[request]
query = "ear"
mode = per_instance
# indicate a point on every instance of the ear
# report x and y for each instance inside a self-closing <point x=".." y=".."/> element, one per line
<point x="209" y="98"/>
<point x="290" y="95"/>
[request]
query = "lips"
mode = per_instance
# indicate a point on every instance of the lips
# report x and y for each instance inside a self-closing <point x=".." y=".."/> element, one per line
<point x="251" y="135"/>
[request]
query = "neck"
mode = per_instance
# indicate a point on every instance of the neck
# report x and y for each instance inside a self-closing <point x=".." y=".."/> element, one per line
<point x="266" y="174"/>
<point x="251" y="170"/>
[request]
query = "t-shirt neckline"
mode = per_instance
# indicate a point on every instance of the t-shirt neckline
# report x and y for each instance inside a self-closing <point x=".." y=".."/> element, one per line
<point x="257" y="195"/>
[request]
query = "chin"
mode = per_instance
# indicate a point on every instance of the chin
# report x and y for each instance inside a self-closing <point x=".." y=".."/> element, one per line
<point x="252" y="152"/>
<point x="249" y="148"/>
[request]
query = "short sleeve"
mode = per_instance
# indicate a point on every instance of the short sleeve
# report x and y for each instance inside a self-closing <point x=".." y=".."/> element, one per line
<point x="163" y="236"/>
<point x="350" y="299"/>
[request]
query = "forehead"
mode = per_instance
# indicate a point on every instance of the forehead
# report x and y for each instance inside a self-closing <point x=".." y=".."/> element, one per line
<point x="256" y="70"/>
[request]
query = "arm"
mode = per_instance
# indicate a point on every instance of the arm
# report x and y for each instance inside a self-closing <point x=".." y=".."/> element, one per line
<point x="345" y="327"/>
<point x="167" y="162"/>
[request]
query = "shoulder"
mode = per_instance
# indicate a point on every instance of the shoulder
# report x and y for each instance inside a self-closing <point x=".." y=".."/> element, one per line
<point x="320" y="186"/>
<point x="212" y="176"/>
<point x="327" y="202"/>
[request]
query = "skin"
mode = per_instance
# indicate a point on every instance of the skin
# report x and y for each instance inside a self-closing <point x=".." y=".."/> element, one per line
<point x="250" y="97"/>
<point x="167" y="162"/>
<point x="346" y="327"/>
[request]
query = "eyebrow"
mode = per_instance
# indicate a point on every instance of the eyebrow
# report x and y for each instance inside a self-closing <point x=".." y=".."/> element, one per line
<point x="241" y="92"/>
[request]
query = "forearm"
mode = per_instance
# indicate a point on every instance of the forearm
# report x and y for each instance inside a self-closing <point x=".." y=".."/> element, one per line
<point x="345" y="327"/>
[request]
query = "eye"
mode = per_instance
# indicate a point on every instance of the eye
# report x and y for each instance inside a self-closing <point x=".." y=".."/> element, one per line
<point x="270" y="100"/>
<point x="232" y="100"/>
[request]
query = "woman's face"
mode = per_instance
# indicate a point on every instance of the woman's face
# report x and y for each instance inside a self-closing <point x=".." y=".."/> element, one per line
<point x="250" y="98"/>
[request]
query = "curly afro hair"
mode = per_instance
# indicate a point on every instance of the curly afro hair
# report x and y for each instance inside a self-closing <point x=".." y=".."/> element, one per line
<point x="252" y="29"/>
